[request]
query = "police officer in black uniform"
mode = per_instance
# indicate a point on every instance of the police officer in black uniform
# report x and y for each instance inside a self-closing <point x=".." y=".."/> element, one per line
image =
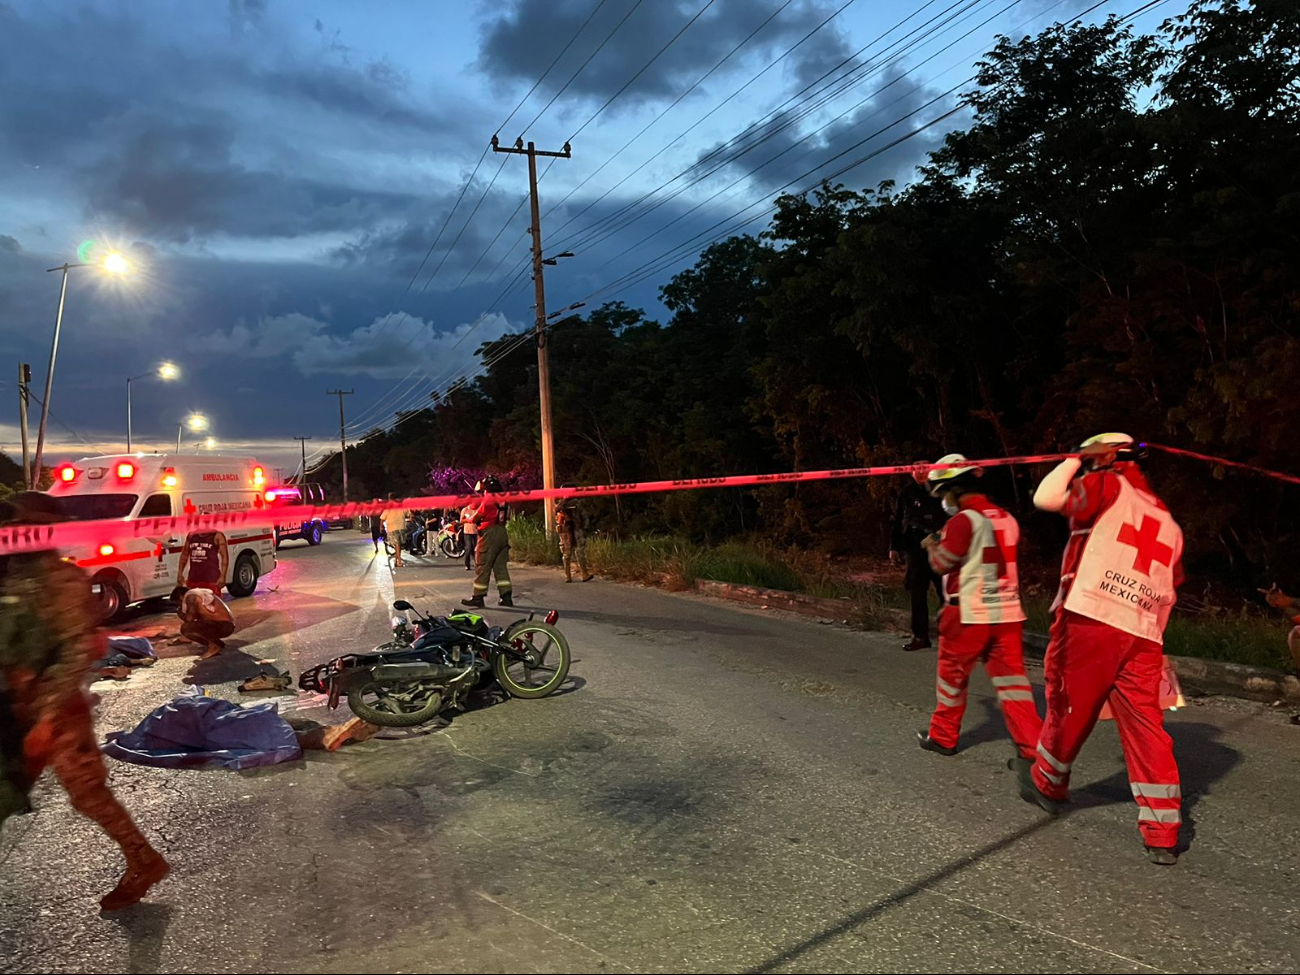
<point x="916" y="515"/>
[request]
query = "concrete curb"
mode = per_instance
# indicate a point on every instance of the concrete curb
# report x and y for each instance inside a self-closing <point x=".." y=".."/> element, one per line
<point x="1205" y="676"/>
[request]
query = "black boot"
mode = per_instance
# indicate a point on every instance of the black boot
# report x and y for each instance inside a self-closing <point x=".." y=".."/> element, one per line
<point x="1033" y="795"/>
<point x="475" y="600"/>
<point x="930" y="745"/>
<point x="506" y="600"/>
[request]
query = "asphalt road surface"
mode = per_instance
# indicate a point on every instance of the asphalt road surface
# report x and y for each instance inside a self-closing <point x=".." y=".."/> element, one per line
<point x="719" y="789"/>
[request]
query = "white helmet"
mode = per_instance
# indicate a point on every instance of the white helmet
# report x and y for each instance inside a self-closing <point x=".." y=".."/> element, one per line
<point x="1116" y="439"/>
<point x="957" y="468"/>
<point x="1124" y="447"/>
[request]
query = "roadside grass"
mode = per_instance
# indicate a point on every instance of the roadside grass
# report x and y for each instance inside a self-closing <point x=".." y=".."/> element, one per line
<point x="1247" y="636"/>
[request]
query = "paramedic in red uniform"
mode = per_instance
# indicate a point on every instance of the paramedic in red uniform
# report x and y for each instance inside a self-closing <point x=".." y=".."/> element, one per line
<point x="1122" y="565"/>
<point x="204" y="561"/>
<point x="982" y="619"/>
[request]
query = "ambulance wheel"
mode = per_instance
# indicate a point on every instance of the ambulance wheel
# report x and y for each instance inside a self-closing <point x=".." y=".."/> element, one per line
<point x="315" y="535"/>
<point x="244" y="580"/>
<point x="112" y="596"/>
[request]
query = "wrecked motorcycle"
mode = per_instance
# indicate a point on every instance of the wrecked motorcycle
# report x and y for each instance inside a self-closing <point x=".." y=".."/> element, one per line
<point x="433" y="663"/>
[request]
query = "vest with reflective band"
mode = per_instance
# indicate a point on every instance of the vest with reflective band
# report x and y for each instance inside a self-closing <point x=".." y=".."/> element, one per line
<point x="1125" y="576"/>
<point x="989" y="580"/>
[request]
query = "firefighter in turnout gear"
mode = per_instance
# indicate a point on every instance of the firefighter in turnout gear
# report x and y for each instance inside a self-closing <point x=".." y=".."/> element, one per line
<point x="493" y="554"/>
<point x="982" y="619"/>
<point x="1122" y="566"/>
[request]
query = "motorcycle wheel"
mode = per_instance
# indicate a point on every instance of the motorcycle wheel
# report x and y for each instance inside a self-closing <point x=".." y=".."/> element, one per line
<point x="521" y="680"/>
<point x="370" y="701"/>
<point x="451" y="550"/>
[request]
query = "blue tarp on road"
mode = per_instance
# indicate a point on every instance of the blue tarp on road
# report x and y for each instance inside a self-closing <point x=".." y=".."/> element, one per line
<point x="196" y="732"/>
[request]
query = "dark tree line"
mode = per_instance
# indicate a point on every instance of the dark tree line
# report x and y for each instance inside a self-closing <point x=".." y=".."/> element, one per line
<point x="1110" y="243"/>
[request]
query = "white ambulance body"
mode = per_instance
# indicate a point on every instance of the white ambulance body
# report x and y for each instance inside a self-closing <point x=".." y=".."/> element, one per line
<point x="139" y="486"/>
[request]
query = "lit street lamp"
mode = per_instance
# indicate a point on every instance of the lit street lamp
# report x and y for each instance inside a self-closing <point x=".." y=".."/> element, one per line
<point x="166" y="371"/>
<point x="209" y="444"/>
<point x="197" y="423"/>
<point x="113" y="263"/>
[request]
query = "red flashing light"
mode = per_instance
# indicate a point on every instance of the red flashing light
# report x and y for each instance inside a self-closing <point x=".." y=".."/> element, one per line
<point x="271" y="494"/>
<point x="68" y="473"/>
<point x="106" y="550"/>
<point x="125" y="470"/>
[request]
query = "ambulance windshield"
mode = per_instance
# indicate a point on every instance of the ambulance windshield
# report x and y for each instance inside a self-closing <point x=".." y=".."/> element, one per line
<point x="89" y="507"/>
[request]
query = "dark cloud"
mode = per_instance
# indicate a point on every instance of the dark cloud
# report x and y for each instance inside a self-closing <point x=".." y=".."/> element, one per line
<point x="10" y="245"/>
<point x="179" y="179"/>
<point x="786" y="146"/>
<point x="521" y="43"/>
<point x="182" y="143"/>
<point x="400" y="248"/>
<point x="390" y="348"/>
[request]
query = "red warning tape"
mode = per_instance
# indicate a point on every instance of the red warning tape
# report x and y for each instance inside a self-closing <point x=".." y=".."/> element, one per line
<point x="30" y="538"/>
<point x="1278" y="475"/>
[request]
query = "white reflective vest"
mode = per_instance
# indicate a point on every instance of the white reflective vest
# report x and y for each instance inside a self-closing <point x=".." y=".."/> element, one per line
<point x="1125" y="576"/>
<point x="989" y="579"/>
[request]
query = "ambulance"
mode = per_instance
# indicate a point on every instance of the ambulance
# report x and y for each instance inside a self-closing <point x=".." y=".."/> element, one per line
<point x="128" y="569"/>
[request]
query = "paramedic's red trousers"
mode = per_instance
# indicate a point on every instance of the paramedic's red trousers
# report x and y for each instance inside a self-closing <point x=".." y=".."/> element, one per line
<point x="961" y="647"/>
<point x="1089" y="663"/>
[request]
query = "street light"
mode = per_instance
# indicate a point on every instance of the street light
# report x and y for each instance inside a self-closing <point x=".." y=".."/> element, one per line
<point x="166" y="371"/>
<point x="210" y="443"/>
<point x="197" y="423"/>
<point x="113" y="263"/>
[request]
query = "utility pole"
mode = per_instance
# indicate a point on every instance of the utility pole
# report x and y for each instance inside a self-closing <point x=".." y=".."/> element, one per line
<point x="302" y="477"/>
<point x="539" y="288"/>
<point x="343" y="440"/>
<point x="24" y="382"/>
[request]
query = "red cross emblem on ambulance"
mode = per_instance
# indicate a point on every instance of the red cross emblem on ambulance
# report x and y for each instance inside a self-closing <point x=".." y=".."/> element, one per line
<point x="1147" y="544"/>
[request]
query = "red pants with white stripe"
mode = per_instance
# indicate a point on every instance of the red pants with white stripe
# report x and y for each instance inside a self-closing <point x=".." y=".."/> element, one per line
<point x="961" y="647"/>
<point x="1090" y="663"/>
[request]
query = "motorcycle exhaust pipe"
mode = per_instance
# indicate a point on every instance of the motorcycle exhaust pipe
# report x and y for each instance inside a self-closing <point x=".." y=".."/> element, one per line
<point x="416" y="671"/>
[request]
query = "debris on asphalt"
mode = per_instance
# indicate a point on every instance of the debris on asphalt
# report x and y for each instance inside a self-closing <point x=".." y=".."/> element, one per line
<point x="272" y="681"/>
<point x="314" y="736"/>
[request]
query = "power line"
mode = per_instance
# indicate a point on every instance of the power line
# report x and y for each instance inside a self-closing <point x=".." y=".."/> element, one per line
<point x="464" y="189"/>
<point x="659" y="115"/>
<point x="600" y="47"/>
<point x="772" y="64"/>
<point x="645" y="67"/>
<point x="971" y="4"/>
<point x="609" y="232"/>
<point x="623" y="217"/>
<point x="657" y="264"/>
<point x="551" y="66"/>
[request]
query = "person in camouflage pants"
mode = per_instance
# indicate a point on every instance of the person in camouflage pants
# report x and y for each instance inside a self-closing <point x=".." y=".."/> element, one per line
<point x="49" y="641"/>
<point x="571" y="524"/>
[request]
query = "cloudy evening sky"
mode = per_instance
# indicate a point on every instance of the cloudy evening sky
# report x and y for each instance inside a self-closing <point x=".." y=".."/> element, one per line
<point x="280" y="168"/>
